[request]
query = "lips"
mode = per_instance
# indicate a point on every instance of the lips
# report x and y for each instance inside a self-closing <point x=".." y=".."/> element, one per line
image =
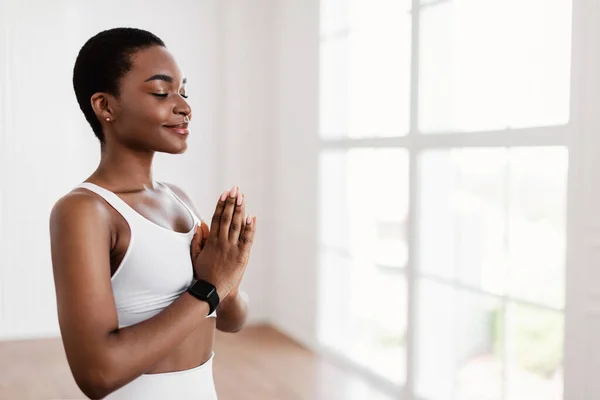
<point x="181" y="129"/>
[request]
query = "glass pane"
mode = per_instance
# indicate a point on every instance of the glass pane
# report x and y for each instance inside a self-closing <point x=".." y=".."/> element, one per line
<point x="379" y="332"/>
<point x="363" y="204"/>
<point x="459" y="344"/>
<point x="462" y="216"/>
<point x="496" y="219"/>
<point x="334" y="88"/>
<point x="536" y="227"/>
<point x="334" y="16"/>
<point x="373" y="336"/>
<point x="339" y="16"/>
<point x="535" y="354"/>
<point x="334" y="289"/>
<point x="334" y="222"/>
<point x="475" y="74"/>
<point x="365" y="73"/>
<point x="362" y="213"/>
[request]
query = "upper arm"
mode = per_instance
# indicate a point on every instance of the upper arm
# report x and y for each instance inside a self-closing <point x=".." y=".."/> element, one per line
<point x="80" y="245"/>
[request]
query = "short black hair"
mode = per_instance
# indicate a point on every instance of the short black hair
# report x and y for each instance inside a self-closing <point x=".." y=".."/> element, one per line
<point x="102" y="61"/>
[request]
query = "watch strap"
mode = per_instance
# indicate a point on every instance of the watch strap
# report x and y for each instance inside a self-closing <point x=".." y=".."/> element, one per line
<point x="205" y="291"/>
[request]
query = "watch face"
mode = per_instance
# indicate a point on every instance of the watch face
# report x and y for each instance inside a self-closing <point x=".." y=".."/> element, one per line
<point x="203" y="288"/>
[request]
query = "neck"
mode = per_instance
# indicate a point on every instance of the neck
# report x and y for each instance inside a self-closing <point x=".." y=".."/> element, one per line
<point x="125" y="169"/>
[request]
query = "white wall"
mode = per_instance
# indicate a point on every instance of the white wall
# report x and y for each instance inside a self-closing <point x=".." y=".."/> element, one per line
<point x="45" y="150"/>
<point x="252" y="69"/>
<point x="245" y="132"/>
<point x="46" y="146"/>
<point x="582" y="354"/>
<point x="293" y="230"/>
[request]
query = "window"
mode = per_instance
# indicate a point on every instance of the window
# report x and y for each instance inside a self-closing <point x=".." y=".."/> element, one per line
<point x="442" y="199"/>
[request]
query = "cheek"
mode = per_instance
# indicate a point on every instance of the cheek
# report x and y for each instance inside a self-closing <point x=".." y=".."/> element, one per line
<point x="147" y="112"/>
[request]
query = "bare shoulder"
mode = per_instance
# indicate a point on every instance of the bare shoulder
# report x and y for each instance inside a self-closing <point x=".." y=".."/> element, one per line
<point x="183" y="196"/>
<point x="78" y="207"/>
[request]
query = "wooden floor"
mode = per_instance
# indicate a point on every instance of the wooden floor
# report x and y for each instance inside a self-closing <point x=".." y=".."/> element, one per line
<point x="257" y="363"/>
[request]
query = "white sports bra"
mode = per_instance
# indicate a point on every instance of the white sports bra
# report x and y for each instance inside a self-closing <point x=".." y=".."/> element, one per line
<point x="157" y="267"/>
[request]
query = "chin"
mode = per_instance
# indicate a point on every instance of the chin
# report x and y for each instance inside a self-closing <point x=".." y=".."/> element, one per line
<point x="175" y="149"/>
<point x="170" y="146"/>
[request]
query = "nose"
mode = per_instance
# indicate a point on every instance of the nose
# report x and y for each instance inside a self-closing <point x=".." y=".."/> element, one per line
<point x="183" y="108"/>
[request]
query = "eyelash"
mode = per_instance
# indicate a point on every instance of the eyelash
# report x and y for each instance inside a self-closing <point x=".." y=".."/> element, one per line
<point x="164" y="95"/>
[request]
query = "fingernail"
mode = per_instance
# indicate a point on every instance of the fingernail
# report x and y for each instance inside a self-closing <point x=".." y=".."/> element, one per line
<point x="224" y="195"/>
<point x="233" y="192"/>
<point x="249" y="220"/>
<point x="240" y="200"/>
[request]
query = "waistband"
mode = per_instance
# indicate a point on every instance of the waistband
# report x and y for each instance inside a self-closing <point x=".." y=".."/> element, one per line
<point x="200" y="367"/>
<point x="196" y="383"/>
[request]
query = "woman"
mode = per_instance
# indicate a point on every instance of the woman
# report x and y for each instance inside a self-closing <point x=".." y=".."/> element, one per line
<point x="136" y="273"/>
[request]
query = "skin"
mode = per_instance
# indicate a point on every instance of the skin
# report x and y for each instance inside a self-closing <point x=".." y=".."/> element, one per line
<point x="89" y="239"/>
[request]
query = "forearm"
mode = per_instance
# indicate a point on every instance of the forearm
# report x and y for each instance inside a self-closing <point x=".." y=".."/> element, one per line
<point x="232" y="313"/>
<point x="135" y="349"/>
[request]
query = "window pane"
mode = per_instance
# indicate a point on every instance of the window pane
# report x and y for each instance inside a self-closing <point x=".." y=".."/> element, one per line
<point x="535" y="353"/>
<point x="334" y="88"/>
<point x="363" y="204"/>
<point x="536" y="227"/>
<point x="373" y="336"/>
<point x="334" y="291"/>
<point x="459" y="347"/>
<point x="462" y="216"/>
<point x="379" y="331"/>
<point x="334" y="214"/>
<point x="362" y="212"/>
<point x="496" y="219"/>
<point x="365" y="72"/>
<point x="335" y="16"/>
<point x="475" y="74"/>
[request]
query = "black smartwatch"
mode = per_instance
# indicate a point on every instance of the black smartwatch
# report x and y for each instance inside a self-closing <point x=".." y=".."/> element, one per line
<point x="205" y="291"/>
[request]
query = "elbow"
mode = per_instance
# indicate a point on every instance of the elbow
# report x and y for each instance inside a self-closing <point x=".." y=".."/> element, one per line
<point x="92" y="390"/>
<point x="229" y="327"/>
<point x="230" y="330"/>
<point x="95" y="382"/>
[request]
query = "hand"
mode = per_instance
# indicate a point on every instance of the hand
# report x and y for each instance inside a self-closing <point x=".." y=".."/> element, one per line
<point x="199" y="241"/>
<point x="236" y="288"/>
<point x="220" y="254"/>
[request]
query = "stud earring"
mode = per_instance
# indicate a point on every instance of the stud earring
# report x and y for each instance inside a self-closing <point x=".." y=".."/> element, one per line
<point x="108" y="118"/>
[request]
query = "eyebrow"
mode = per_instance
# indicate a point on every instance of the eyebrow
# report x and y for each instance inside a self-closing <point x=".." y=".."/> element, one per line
<point x="162" y="77"/>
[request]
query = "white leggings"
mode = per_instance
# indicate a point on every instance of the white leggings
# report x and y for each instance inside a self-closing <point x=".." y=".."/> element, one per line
<point x="196" y="383"/>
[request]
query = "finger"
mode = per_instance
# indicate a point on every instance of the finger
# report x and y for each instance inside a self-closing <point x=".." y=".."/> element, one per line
<point x="205" y="233"/>
<point x="196" y="242"/>
<point x="227" y="215"/>
<point x="244" y="215"/>
<point x="238" y="218"/>
<point x="247" y="237"/>
<point x="216" y="219"/>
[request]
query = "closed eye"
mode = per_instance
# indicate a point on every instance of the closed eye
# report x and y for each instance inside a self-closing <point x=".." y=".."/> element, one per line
<point x="164" y="95"/>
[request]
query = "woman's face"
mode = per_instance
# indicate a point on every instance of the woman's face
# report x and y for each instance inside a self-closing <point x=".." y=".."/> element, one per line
<point x="151" y="112"/>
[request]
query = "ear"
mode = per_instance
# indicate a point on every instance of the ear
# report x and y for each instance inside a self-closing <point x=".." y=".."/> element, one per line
<point x="102" y="107"/>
